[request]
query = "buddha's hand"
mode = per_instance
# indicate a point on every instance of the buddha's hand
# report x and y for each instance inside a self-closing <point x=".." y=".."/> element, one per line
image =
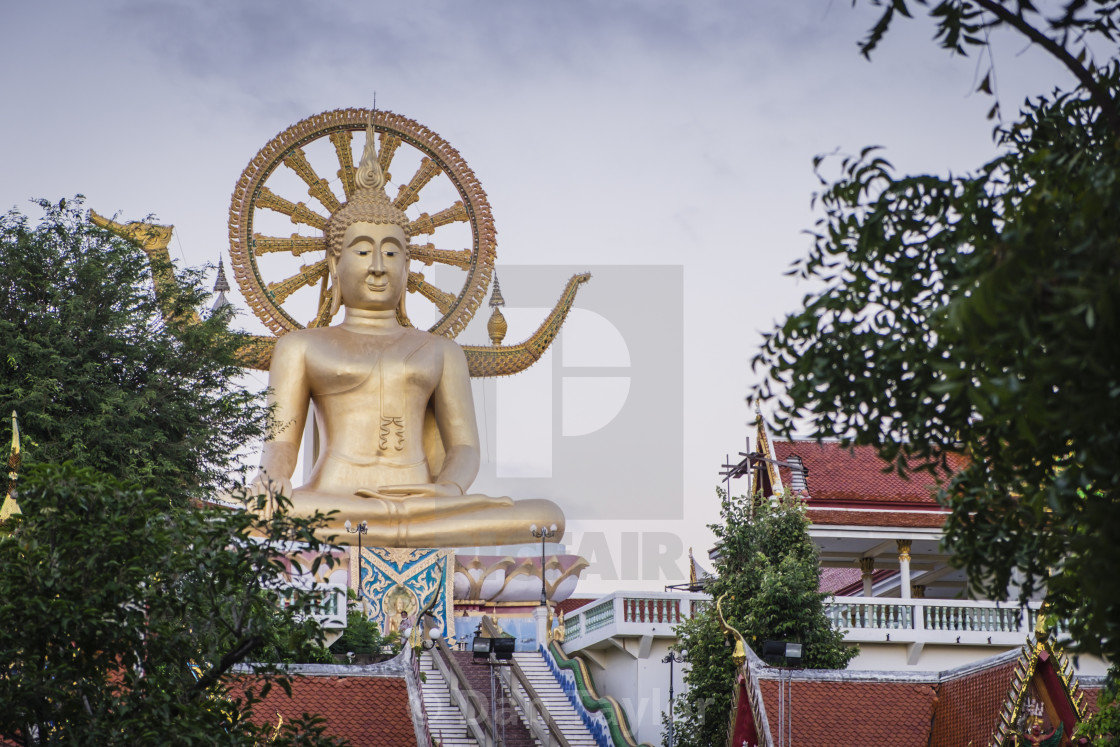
<point x="430" y="489"/>
<point x="433" y="499"/>
<point x="266" y="484"/>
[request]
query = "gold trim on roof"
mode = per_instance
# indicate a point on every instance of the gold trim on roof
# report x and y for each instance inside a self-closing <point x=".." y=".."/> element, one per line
<point x="1025" y="669"/>
<point x="767" y="451"/>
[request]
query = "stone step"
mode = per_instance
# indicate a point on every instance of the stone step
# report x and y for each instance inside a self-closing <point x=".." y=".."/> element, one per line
<point x="554" y="699"/>
<point x="445" y="721"/>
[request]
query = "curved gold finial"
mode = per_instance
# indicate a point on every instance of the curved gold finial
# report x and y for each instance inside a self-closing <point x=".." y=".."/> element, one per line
<point x="505" y="360"/>
<point x="152" y="238"/>
<point x="739" y="655"/>
<point x="9" y="507"/>
<point x="1041" y="626"/>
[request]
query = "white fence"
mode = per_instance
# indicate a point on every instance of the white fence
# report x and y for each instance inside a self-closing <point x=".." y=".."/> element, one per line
<point x="864" y="619"/>
<point x="331" y="608"/>
<point x="932" y="620"/>
<point x="630" y="614"/>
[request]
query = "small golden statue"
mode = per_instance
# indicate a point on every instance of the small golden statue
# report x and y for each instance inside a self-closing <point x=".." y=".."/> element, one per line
<point x="398" y="440"/>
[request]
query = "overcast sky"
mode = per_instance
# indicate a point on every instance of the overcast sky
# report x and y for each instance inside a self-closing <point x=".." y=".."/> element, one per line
<point x="604" y="132"/>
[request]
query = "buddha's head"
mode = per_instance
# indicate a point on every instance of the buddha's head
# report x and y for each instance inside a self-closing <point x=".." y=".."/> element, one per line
<point x="367" y="247"/>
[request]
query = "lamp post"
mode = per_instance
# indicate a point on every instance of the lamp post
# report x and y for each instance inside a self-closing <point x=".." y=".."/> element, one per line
<point x="359" y="530"/>
<point x="493" y="652"/>
<point x="671" y="658"/>
<point x="543" y="533"/>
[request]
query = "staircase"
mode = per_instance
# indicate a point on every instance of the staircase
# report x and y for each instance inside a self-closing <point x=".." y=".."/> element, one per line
<point x="445" y="721"/>
<point x="448" y="726"/>
<point x="554" y="699"/>
<point x="510" y="727"/>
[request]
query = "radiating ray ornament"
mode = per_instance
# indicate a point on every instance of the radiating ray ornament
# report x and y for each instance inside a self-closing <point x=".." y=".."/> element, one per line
<point x="273" y="287"/>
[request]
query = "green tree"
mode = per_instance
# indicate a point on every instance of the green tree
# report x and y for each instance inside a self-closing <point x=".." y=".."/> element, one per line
<point x="979" y="314"/>
<point x="99" y="376"/>
<point x="122" y="608"/>
<point x="122" y="616"/>
<point x="363" y="636"/>
<point x="768" y="573"/>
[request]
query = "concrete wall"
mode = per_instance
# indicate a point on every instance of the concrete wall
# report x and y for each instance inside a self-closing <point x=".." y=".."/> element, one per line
<point x="640" y="685"/>
<point x="938" y="658"/>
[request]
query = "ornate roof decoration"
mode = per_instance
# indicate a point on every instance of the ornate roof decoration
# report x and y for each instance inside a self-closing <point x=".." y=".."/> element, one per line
<point x="1044" y="691"/>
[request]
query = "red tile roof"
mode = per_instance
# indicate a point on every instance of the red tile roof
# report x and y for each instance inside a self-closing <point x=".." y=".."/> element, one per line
<point x="968" y="706"/>
<point x="368" y="711"/>
<point x="947" y="709"/>
<point x="839" y="578"/>
<point x="574" y="603"/>
<point x="839" y="475"/>
<point x="854" y="713"/>
<point x="849" y="581"/>
<point x="839" y="516"/>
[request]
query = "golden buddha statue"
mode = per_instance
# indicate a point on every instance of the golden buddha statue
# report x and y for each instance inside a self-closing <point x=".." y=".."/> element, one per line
<point x="398" y="440"/>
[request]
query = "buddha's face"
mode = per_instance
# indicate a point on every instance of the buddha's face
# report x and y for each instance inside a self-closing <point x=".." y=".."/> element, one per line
<point x="373" y="266"/>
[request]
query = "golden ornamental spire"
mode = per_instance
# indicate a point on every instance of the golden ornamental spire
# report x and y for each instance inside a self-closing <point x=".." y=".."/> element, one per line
<point x="497" y="326"/>
<point x="370" y="175"/>
<point x="9" y="507"/>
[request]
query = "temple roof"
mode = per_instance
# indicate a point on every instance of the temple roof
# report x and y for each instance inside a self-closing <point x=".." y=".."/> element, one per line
<point x="851" y="485"/>
<point x="841" y="475"/>
<point x="960" y="706"/>
<point x="368" y="711"/>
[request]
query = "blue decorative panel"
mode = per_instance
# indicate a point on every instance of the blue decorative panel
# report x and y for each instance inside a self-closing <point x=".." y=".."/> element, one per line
<point x="395" y="580"/>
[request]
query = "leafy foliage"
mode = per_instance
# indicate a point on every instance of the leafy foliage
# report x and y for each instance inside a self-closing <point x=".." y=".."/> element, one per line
<point x="769" y="569"/>
<point x="122" y="615"/>
<point x="123" y="609"/>
<point x="97" y="375"/>
<point x="980" y="314"/>
<point x="1103" y="727"/>
<point x="363" y="636"/>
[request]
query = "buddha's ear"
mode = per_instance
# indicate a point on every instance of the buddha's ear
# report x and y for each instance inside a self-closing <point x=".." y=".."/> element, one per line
<point x="402" y="313"/>
<point x="336" y="289"/>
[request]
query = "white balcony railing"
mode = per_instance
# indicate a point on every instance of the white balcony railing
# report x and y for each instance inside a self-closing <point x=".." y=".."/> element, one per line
<point x="870" y="619"/>
<point x="630" y="614"/>
<point x="863" y="619"/>
<point x="330" y="611"/>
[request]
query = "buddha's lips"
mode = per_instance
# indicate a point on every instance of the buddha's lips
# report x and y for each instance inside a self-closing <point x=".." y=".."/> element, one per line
<point x="374" y="287"/>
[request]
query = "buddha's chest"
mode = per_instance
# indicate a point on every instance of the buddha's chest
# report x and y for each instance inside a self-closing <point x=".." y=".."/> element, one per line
<point x="394" y="370"/>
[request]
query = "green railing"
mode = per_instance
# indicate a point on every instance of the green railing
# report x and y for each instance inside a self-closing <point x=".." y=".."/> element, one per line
<point x="617" y="723"/>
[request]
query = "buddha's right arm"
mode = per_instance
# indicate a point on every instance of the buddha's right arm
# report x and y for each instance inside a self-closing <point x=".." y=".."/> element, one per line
<point x="278" y="463"/>
<point x="288" y="395"/>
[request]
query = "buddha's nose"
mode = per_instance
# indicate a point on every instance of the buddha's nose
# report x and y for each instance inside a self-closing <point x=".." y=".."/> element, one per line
<point x="376" y="264"/>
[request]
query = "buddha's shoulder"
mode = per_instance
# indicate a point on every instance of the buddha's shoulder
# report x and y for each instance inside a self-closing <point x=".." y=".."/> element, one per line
<point x="301" y="339"/>
<point x="433" y="342"/>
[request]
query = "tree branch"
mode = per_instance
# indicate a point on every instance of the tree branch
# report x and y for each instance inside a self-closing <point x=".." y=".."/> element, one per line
<point x="1096" y="91"/>
<point x="243" y="649"/>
